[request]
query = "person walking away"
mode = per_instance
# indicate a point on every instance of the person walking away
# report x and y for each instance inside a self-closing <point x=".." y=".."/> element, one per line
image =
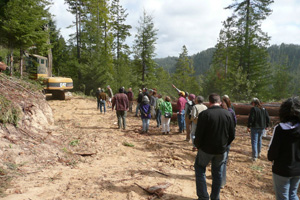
<point x="258" y="121"/>
<point x="215" y="131"/>
<point x="284" y="151"/>
<point x="180" y="108"/>
<point x="121" y="104"/>
<point x="98" y="97"/>
<point x="130" y="98"/>
<point x="102" y="101"/>
<point x="139" y="101"/>
<point x="110" y="96"/>
<point x="187" y="117"/>
<point x="157" y="110"/>
<point x="145" y="114"/>
<point x="166" y="114"/>
<point x="226" y="104"/>
<point x="197" y="109"/>
<point x="152" y="102"/>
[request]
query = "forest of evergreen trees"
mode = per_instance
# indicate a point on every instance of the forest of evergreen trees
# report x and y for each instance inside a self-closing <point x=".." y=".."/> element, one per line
<point x="242" y="64"/>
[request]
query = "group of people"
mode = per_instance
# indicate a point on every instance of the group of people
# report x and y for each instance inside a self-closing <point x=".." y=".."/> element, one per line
<point x="152" y="105"/>
<point x="212" y="130"/>
<point x="215" y="132"/>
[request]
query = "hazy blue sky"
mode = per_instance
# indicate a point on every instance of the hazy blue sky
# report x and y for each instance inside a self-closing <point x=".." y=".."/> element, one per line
<point x="194" y="23"/>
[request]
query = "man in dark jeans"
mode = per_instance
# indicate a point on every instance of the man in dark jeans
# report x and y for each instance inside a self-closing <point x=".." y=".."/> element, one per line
<point x="139" y="101"/>
<point x="120" y="101"/>
<point x="215" y="131"/>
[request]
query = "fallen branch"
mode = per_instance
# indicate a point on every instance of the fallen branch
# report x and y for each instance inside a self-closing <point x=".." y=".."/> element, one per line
<point x="84" y="154"/>
<point x="161" y="173"/>
<point x="143" y="188"/>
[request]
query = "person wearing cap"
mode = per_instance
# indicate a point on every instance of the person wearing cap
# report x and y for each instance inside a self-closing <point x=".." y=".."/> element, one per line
<point x="145" y="113"/>
<point x="180" y="111"/>
<point x="258" y="121"/>
<point x="121" y="104"/>
<point x="187" y="116"/>
<point x="139" y="101"/>
<point x="110" y="96"/>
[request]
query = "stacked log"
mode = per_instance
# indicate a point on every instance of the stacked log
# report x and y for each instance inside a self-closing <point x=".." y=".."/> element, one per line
<point x="242" y="112"/>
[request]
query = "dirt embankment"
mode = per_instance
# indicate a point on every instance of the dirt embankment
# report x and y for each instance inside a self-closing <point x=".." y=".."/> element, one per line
<point x="84" y="156"/>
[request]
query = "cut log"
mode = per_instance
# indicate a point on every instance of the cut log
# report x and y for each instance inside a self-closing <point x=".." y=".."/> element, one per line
<point x="244" y="109"/>
<point x="243" y="120"/>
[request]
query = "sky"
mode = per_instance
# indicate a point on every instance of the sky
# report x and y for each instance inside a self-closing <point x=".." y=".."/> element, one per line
<point x="193" y="23"/>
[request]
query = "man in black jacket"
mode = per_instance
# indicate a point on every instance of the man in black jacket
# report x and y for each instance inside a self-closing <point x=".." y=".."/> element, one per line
<point x="215" y="131"/>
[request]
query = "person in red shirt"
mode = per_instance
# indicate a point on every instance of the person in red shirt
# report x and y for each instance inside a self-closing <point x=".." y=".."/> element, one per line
<point x="180" y="114"/>
<point x="121" y="104"/>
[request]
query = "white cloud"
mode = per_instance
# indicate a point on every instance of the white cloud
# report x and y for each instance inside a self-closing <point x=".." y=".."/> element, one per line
<point x="194" y="23"/>
<point x="62" y="17"/>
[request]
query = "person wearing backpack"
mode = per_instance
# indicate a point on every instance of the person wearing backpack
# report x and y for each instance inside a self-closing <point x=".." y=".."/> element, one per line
<point x="188" y="111"/>
<point x="197" y="109"/>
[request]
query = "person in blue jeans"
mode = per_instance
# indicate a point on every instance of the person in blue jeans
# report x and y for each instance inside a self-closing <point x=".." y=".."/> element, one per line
<point x="180" y="114"/>
<point x="102" y="97"/>
<point x="145" y="113"/>
<point x="284" y="151"/>
<point x="258" y="121"/>
<point x="214" y="133"/>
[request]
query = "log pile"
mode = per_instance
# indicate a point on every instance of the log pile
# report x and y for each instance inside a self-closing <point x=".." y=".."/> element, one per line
<point x="242" y="111"/>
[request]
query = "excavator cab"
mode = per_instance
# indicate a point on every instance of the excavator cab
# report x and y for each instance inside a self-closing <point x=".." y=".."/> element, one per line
<point x="37" y="67"/>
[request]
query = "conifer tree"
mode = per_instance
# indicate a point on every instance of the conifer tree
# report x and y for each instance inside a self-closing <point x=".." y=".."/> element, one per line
<point x="22" y="25"/>
<point x="144" y="51"/>
<point x="121" y="50"/>
<point x="184" y="75"/>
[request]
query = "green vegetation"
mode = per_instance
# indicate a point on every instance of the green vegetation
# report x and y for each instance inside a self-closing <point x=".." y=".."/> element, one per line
<point x="241" y="64"/>
<point x="8" y="112"/>
<point x="127" y="144"/>
<point x="74" y="142"/>
<point x="4" y="181"/>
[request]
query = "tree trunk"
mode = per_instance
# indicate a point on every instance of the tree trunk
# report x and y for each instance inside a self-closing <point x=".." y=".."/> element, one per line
<point x="21" y="62"/>
<point x="11" y="63"/>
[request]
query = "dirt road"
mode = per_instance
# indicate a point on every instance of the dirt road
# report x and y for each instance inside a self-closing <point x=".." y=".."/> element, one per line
<point x="99" y="161"/>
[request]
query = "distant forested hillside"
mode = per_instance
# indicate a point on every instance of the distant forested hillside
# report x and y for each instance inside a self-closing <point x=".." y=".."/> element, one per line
<point x="201" y="61"/>
<point x="284" y="54"/>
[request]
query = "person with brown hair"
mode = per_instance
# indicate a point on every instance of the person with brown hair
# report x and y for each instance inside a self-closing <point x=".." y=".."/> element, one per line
<point x="284" y="151"/>
<point x="121" y="104"/>
<point x="166" y="114"/>
<point x="258" y="121"/>
<point x="102" y="100"/>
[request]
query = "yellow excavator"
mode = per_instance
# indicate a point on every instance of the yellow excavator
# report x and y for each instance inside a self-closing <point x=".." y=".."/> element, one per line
<point x="37" y="67"/>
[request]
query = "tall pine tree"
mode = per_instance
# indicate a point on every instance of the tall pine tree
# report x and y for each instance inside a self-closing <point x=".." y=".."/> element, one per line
<point x="144" y="51"/>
